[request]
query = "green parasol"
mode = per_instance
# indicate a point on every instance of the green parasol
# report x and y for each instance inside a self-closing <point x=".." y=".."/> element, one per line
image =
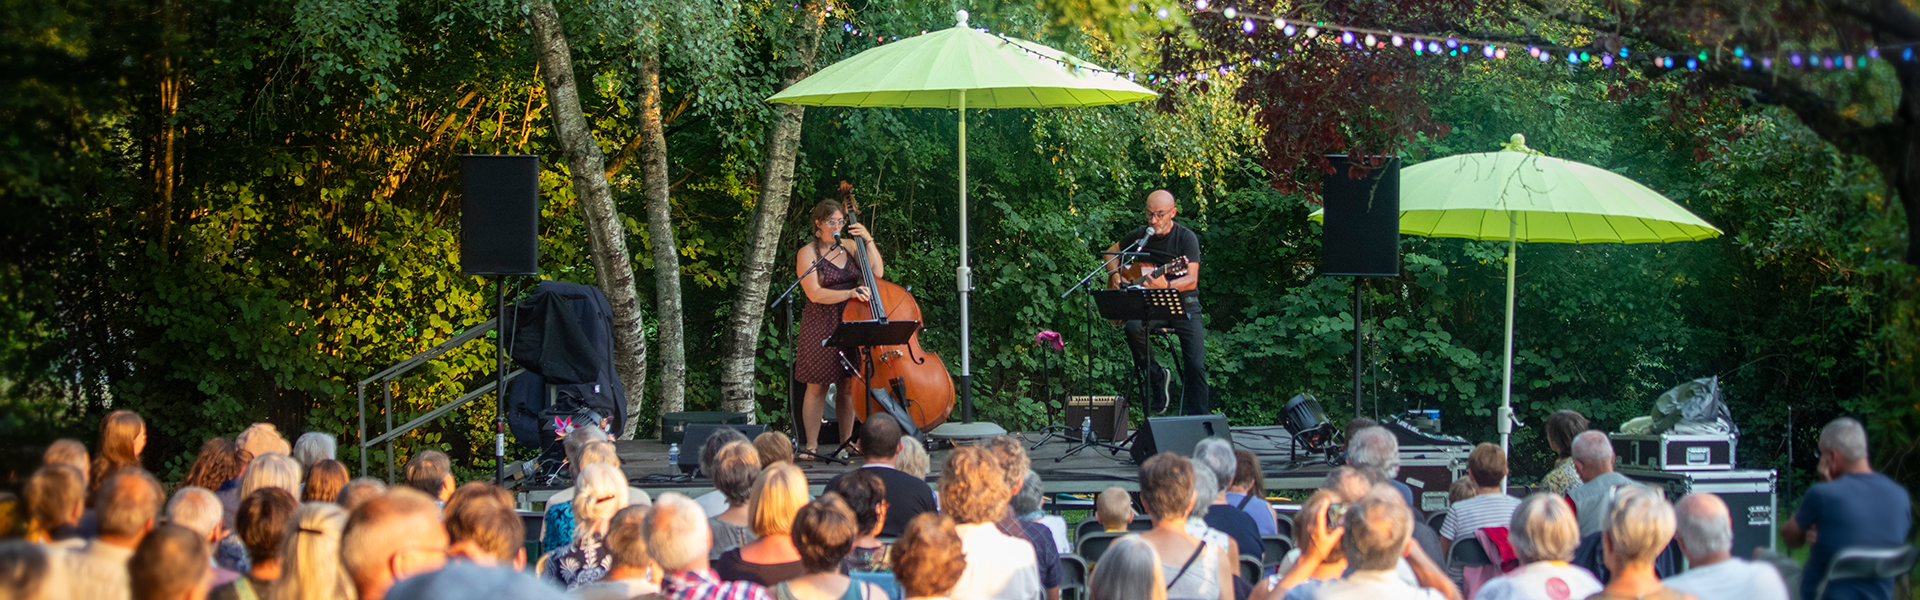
<point x="961" y="68"/>
<point x="1521" y="195"/>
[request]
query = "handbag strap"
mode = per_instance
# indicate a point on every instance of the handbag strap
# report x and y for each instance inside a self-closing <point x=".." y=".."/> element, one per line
<point x="1244" y="500"/>
<point x="1183" y="568"/>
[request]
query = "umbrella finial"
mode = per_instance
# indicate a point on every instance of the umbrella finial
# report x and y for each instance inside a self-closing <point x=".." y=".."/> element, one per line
<point x="1518" y="143"/>
<point x="961" y="15"/>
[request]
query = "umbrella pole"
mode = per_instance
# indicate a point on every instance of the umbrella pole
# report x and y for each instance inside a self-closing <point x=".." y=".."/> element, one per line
<point x="1505" y="415"/>
<point x="964" y="276"/>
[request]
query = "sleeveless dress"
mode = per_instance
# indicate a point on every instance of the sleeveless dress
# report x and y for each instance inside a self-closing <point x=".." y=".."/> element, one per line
<point x="814" y="363"/>
<point x="1201" y="581"/>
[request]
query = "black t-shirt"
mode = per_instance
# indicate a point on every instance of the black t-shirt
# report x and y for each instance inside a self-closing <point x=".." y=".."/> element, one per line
<point x="1239" y="526"/>
<point x="907" y="497"/>
<point x="1181" y="241"/>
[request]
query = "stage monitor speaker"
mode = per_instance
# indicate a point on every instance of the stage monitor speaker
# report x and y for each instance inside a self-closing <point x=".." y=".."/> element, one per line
<point x="1109" y="414"/>
<point x="1360" y="234"/>
<point x="1177" y="435"/>
<point x="697" y="434"/>
<point x="499" y="215"/>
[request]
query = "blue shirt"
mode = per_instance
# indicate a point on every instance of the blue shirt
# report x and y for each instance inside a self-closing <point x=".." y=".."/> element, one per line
<point x="1854" y="511"/>
<point x="1261" y="512"/>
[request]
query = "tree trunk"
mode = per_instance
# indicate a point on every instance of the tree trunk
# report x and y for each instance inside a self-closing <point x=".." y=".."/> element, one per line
<point x="666" y="255"/>
<point x="608" y="239"/>
<point x="737" y="362"/>
<point x="160" y="221"/>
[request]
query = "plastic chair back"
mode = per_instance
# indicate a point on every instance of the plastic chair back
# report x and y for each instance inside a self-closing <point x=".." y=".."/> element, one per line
<point x="1438" y="518"/>
<point x="1095" y="544"/>
<point x="1277" y="548"/>
<point x="1868" y="563"/>
<point x="1249" y="568"/>
<point x="1468" y="553"/>
<point x="1073" y="577"/>
<point x="1282" y="524"/>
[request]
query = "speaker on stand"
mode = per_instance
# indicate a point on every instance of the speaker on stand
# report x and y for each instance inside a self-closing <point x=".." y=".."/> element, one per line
<point x="499" y="236"/>
<point x="1360" y="232"/>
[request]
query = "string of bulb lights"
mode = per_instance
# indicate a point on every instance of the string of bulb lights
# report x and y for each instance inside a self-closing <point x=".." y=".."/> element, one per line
<point x="1372" y="39"/>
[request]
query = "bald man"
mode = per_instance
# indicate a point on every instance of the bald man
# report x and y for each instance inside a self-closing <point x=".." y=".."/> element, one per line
<point x="1705" y="530"/>
<point x="1165" y="241"/>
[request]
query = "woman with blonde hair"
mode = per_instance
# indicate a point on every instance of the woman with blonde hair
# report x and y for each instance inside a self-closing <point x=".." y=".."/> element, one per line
<point x="777" y="496"/>
<point x="123" y="435"/>
<point x="600" y="492"/>
<point x="913" y="460"/>
<point x="310" y="557"/>
<point x="271" y="470"/>
<point x="1130" y="570"/>
<point x="1638" y="528"/>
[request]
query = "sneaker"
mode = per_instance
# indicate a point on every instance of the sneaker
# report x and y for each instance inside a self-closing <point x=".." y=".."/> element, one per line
<point x="1159" y="383"/>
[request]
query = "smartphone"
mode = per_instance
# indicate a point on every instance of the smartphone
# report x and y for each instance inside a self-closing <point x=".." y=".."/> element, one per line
<point x="1336" y="516"/>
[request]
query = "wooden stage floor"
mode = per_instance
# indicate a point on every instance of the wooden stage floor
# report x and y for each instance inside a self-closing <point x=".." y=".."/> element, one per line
<point x="1088" y="471"/>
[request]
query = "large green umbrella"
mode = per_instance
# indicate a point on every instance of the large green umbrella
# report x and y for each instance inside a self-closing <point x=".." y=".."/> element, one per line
<point x="1520" y="195"/>
<point x="961" y="68"/>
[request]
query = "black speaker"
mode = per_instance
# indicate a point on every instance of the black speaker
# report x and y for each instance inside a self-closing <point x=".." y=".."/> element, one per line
<point x="1177" y="435"/>
<point x="697" y="434"/>
<point x="1360" y="234"/>
<point x="499" y="215"/>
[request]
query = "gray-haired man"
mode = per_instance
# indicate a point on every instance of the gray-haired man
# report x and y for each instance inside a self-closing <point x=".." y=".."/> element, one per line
<point x="1705" y="530"/>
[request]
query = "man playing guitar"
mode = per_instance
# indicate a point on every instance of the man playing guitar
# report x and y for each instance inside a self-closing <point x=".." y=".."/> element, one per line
<point x="1166" y="241"/>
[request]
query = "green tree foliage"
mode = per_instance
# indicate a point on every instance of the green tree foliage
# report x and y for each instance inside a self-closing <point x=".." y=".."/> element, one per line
<point x="313" y="235"/>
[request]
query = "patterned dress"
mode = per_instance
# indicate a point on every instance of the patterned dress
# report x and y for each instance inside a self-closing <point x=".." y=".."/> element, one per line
<point x="818" y="364"/>
<point x="580" y="563"/>
<point x="1562" y="478"/>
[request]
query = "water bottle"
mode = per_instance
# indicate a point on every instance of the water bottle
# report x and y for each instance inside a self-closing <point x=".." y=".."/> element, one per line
<point x="673" y="456"/>
<point x="1086" y="429"/>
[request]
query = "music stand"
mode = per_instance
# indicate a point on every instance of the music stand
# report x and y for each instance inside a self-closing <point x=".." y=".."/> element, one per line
<point x="860" y="337"/>
<point x="1133" y="304"/>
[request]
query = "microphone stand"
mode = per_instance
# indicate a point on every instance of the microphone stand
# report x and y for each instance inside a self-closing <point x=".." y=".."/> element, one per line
<point x="1084" y="285"/>
<point x="793" y="340"/>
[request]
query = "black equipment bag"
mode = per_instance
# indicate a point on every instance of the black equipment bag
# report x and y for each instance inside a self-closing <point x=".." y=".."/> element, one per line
<point x="562" y="334"/>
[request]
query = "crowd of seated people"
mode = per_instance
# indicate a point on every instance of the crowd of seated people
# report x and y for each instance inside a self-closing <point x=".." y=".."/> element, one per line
<point x="257" y="518"/>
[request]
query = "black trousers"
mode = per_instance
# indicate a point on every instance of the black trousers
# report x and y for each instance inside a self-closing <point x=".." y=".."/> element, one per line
<point x="1193" y="361"/>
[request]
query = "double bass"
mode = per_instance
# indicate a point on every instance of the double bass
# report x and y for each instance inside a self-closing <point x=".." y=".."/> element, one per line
<point x="916" y="378"/>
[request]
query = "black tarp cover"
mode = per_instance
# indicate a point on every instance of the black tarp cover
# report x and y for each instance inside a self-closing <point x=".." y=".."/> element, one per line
<point x="562" y="334"/>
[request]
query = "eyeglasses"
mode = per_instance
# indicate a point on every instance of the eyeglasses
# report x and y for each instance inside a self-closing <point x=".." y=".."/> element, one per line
<point x="1159" y="214"/>
<point x="835" y="222"/>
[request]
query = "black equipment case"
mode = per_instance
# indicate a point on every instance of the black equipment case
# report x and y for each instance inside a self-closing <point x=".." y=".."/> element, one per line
<point x="1749" y="494"/>
<point x="1675" y="452"/>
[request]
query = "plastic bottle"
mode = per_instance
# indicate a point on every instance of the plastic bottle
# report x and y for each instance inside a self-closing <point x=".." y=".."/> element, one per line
<point x="673" y="455"/>
<point x="1086" y="429"/>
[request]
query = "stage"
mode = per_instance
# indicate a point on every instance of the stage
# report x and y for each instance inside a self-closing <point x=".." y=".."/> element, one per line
<point x="1088" y="471"/>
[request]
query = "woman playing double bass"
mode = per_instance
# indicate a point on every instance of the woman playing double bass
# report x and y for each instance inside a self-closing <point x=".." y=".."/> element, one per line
<point x="828" y="289"/>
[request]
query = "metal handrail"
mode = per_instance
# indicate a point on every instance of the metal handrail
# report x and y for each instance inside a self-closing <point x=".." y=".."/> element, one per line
<point x="385" y="378"/>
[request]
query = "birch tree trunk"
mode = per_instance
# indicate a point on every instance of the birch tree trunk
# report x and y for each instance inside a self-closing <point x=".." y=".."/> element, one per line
<point x="666" y="255"/>
<point x="741" y="346"/>
<point x="611" y="264"/>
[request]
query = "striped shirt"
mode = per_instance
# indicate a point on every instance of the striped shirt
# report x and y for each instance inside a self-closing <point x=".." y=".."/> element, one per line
<point x="705" y="584"/>
<point x="1478" y="512"/>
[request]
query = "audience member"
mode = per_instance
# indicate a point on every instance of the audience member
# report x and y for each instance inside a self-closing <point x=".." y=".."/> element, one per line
<point x="1462" y="489"/>
<point x="325" y="477"/>
<point x="1376" y="453"/>
<point x="218" y="467"/>
<point x="262" y="527"/>
<point x="771" y="558"/>
<point x="631" y="574"/>
<point x="128" y="503"/>
<point x="823" y="533"/>
<point x="271" y="470"/>
<point x="310" y="561"/>
<point x="1377" y="535"/>
<point x="1593" y="460"/>
<point x="69" y="452"/>
<point x="1113" y="508"/>
<point x="431" y="472"/>
<point x="123" y="435"/>
<point x="28" y="570"/>
<point x="735" y="467"/>
<point x="908" y="495"/>
<point x="928" y="557"/>
<point x="1217" y="455"/>
<point x="198" y="510"/>
<point x="997" y="565"/>
<point x="913" y="460"/>
<point x="1349" y="485"/>
<point x="1489" y="507"/>
<point x="359" y="491"/>
<point x="170" y="563"/>
<point x="1129" y="570"/>
<point x="600" y="492"/>
<point x="1705" y="530"/>
<point x="1029" y="505"/>
<point x="463" y="581"/>
<point x="392" y="537"/>
<point x="676" y="536"/>
<point x="1205" y="485"/>
<point x="1635" y="532"/>
<point x="1322" y="558"/>
<point x="1011" y="452"/>
<point x="483" y="528"/>
<point x="559" y="517"/>
<point x="1543" y="533"/>
<point x="866" y="495"/>
<point x="773" y="447"/>
<point x="261" y="439"/>
<point x="1852" y="507"/>
<point x="56" y="499"/>
<point x="715" y="502"/>
<point x="1562" y="427"/>
<point x="1192" y="569"/>
<point x="1247" y="492"/>
<point x="313" y="447"/>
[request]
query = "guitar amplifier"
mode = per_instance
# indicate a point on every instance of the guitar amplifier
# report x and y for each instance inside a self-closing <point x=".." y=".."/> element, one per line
<point x="1109" y="415"/>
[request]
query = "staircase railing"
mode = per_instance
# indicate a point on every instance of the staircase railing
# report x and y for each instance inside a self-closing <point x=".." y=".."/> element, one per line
<point x="386" y="377"/>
